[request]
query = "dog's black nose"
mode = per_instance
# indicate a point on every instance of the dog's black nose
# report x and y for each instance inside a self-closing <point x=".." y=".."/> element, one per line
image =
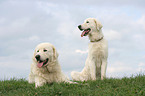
<point x="80" y="27"/>
<point x="37" y="57"/>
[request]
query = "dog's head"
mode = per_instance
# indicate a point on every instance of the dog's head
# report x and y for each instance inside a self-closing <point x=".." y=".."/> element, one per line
<point x="90" y="25"/>
<point x="44" y="54"/>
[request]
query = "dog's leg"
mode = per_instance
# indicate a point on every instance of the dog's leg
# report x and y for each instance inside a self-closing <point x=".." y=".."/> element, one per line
<point x="98" y="69"/>
<point x="39" y="81"/>
<point x="92" y="69"/>
<point x="103" y="69"/>
<point x="31" y="78"/>
<point x="76" y="76"/>
<point x="80" y="76"/>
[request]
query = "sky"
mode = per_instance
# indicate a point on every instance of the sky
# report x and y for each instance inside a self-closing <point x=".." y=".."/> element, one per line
<point x="26" y="23"/>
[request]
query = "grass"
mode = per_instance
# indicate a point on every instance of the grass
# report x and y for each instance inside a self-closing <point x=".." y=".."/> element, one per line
<point x="133" y="86"/>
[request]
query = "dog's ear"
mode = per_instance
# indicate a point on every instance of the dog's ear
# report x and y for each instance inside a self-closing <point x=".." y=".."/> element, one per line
<point x="98" y="24"/>
<point x="55" y="54"/>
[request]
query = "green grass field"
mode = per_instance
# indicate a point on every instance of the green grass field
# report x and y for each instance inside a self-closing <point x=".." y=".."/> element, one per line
<point x="133" y="86"/>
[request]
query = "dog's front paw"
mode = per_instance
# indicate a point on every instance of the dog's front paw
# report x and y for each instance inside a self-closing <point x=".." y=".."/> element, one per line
<point x="71" y="82"/>
<point x="38" y="84"/>
<point x="94" y="78"/>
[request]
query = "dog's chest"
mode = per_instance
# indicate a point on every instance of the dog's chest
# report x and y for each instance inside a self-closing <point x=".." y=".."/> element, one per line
<point x="96" y="50"/>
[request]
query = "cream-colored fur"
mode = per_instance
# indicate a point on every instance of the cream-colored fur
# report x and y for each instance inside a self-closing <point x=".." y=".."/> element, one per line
<point x="49" y="73"/>
<point x="96" y="63"/>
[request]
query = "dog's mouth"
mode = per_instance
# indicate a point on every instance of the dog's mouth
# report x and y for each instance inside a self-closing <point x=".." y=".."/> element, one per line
<point x="85" y="32"/>
<point x="42" y="63"/>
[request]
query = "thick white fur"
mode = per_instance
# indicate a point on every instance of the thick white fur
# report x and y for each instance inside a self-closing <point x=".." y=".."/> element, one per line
<point x="46" y="74"/>
<point x="96" y="63"/>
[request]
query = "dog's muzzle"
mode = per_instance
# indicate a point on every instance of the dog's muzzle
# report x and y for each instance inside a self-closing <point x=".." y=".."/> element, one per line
<point x="40" y="62"/>
<point x="80" y="27"/>
<point x="37" y="57"/>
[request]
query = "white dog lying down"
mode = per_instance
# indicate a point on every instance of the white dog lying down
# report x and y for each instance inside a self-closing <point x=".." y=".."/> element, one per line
<point x="96" y="63"/>
<point x="45" y="67"/>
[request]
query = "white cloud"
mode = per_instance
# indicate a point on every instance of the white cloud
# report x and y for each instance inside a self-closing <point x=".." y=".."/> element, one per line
<point x="34" y="38"/>
<point x="46" y="6"/>
<point x="81" y="52"/>
<point x="2" y="20"/>
<point x="119" y="69"/>
<point x="141" y="64"/>
<point x="139" y="40"/>
<point x="112" y="50"/>
<point x="123" y="69"/>
<point x="17" y="69"/>
<point x="112" y="35"/>
<point x="141" y="67"/>
<point x="65" y="28"/>
<point x="100" y="3"/>
<point x="141" y="21"/>
<point x="139" y="37"/>
<point x="20" y="22"/>
<point x="13" y="27"/>
<point x="143" y="57"/>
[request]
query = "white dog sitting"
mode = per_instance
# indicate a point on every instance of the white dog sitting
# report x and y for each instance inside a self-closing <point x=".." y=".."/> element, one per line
<point x="96" y="63"/>
<point x="45" y="67"/>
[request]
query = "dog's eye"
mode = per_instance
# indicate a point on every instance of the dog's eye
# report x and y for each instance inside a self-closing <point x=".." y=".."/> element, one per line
<point x="87" y="22"/>
<point x="37" y="50"/>
<point x="44" y="50"/>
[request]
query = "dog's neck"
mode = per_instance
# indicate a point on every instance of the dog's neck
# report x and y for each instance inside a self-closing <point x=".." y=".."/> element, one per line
<point x="97" y="40"/>
<point x="96" y="36"/>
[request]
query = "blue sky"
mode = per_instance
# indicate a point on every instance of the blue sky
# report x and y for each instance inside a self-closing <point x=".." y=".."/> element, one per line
<point x="26" y="23"/>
